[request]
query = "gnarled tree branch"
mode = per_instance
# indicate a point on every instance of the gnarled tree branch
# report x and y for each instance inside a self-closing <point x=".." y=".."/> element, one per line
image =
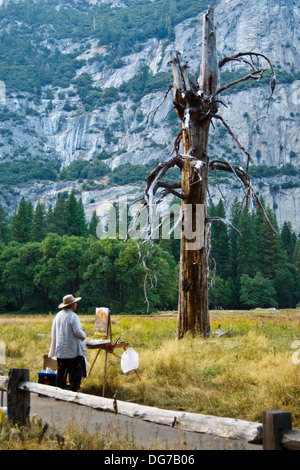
<point x="252" y="54"/>
<point x="217" y="116"/>
<point x="244" y="177"/>
<point x="224" y="221"/>
<point x="157" y="174"/>
<point x="240" y="80"/>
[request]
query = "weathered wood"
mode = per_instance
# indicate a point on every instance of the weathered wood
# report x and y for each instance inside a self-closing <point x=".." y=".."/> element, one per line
<point x="105" y="373"/>
<point x="222" y="427"/>
<point x="229" y="428"/>
<point x="193" y="301"/>
<point x="209" y="77"/>
<point x="18" y="400"/>
<point x="3" y="383"/>
<point x="290" y="439"/>
<point x="194" y="107"/>
<point x="275" y="422"/>
<point x="275" y="433"/>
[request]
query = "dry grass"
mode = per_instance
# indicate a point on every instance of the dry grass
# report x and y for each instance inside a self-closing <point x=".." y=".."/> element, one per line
<point x="74" y="437"/>
<point x="239" y="374"/>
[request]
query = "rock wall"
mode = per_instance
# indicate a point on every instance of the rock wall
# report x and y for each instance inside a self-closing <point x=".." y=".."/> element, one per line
<point x="272" y="138"/>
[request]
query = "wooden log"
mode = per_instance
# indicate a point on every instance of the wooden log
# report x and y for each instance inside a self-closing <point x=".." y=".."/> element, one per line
<point x="3" y="383"/>
<point x="275" y="433"/>
<point x="290" y="439"/>
<point x="221" y="427"/>
<point x="274" y="422"/>
<point x="18" y="400"/>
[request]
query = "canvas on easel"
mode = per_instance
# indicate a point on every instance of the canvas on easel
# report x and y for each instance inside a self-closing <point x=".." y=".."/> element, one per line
<point x="103" y="329"/>
<point x="102" y="321"/>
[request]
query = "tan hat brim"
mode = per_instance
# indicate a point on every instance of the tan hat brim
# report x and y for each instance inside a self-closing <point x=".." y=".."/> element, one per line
<point x="62" y="305"/>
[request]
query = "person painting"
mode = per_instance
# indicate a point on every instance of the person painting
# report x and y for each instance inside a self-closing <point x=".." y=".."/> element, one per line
<point x="67" y="344"/>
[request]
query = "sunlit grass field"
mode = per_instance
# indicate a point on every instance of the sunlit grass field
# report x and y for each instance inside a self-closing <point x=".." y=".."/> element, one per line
<point x="239" y="374"/>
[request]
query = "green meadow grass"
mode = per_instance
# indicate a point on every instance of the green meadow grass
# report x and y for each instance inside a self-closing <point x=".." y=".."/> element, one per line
<point x="239" y="374"/>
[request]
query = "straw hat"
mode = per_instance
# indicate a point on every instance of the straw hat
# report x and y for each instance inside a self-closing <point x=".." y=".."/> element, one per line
<point x="69" y="300"/>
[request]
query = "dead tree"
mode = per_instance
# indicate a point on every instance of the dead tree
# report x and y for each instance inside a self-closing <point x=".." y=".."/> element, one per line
<point x="197" y="102"/>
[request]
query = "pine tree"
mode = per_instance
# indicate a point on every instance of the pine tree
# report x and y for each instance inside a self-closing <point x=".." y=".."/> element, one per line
<point x="82" y="225"/>
<point x="93" y="224"/>
<point x="39" y="230"/>
<point x="247" y="258"/>
<point x="50" y="222"/>
<point x="220" y="243"/>
<point x="76" y="217"/>
<point x="232" y="294"/>
<point x="288" y="240"/>
<point x="287" y="286"/>
<point x="22" y="222"/>
<point x="4" y="231"/>
<point x="235" y="211"/>
<point x="268" y="244"/>
<point x="296" y="261"/>
<point x="60" y="216"/>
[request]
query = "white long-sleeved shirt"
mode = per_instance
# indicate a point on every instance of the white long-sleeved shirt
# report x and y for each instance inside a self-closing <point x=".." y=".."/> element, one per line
<point x="67" y="336"/>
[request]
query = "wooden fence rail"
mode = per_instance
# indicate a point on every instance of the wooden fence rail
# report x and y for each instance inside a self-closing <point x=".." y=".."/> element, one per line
<point x="274" y="433"/>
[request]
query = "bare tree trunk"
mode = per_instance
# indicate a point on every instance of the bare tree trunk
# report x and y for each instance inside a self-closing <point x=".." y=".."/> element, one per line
<point x="193" y="105"/>
<point x="196" y="104"/>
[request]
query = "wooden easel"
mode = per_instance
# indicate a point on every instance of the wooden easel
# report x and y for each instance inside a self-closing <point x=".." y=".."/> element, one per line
<point x="108" y="347"/>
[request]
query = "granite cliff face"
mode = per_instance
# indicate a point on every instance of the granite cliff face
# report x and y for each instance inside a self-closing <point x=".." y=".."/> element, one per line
<point x="129" y="134"/>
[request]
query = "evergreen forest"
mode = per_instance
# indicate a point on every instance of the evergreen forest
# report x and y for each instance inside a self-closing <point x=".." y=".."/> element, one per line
<point x="46" y="253"/>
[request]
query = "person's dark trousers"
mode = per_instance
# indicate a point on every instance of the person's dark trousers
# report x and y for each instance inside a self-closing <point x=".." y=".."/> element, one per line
<point x="75" y="368"/>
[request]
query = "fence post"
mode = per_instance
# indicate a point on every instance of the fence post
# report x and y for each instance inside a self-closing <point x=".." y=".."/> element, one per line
<point x="18" y="401"/>
<point x="273" y="423"/>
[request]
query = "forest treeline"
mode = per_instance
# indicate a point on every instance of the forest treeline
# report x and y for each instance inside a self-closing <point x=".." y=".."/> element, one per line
<point x="46" y="253"/>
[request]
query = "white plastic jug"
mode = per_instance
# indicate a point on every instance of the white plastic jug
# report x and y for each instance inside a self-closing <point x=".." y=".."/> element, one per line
<point x="129" y="360"/>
